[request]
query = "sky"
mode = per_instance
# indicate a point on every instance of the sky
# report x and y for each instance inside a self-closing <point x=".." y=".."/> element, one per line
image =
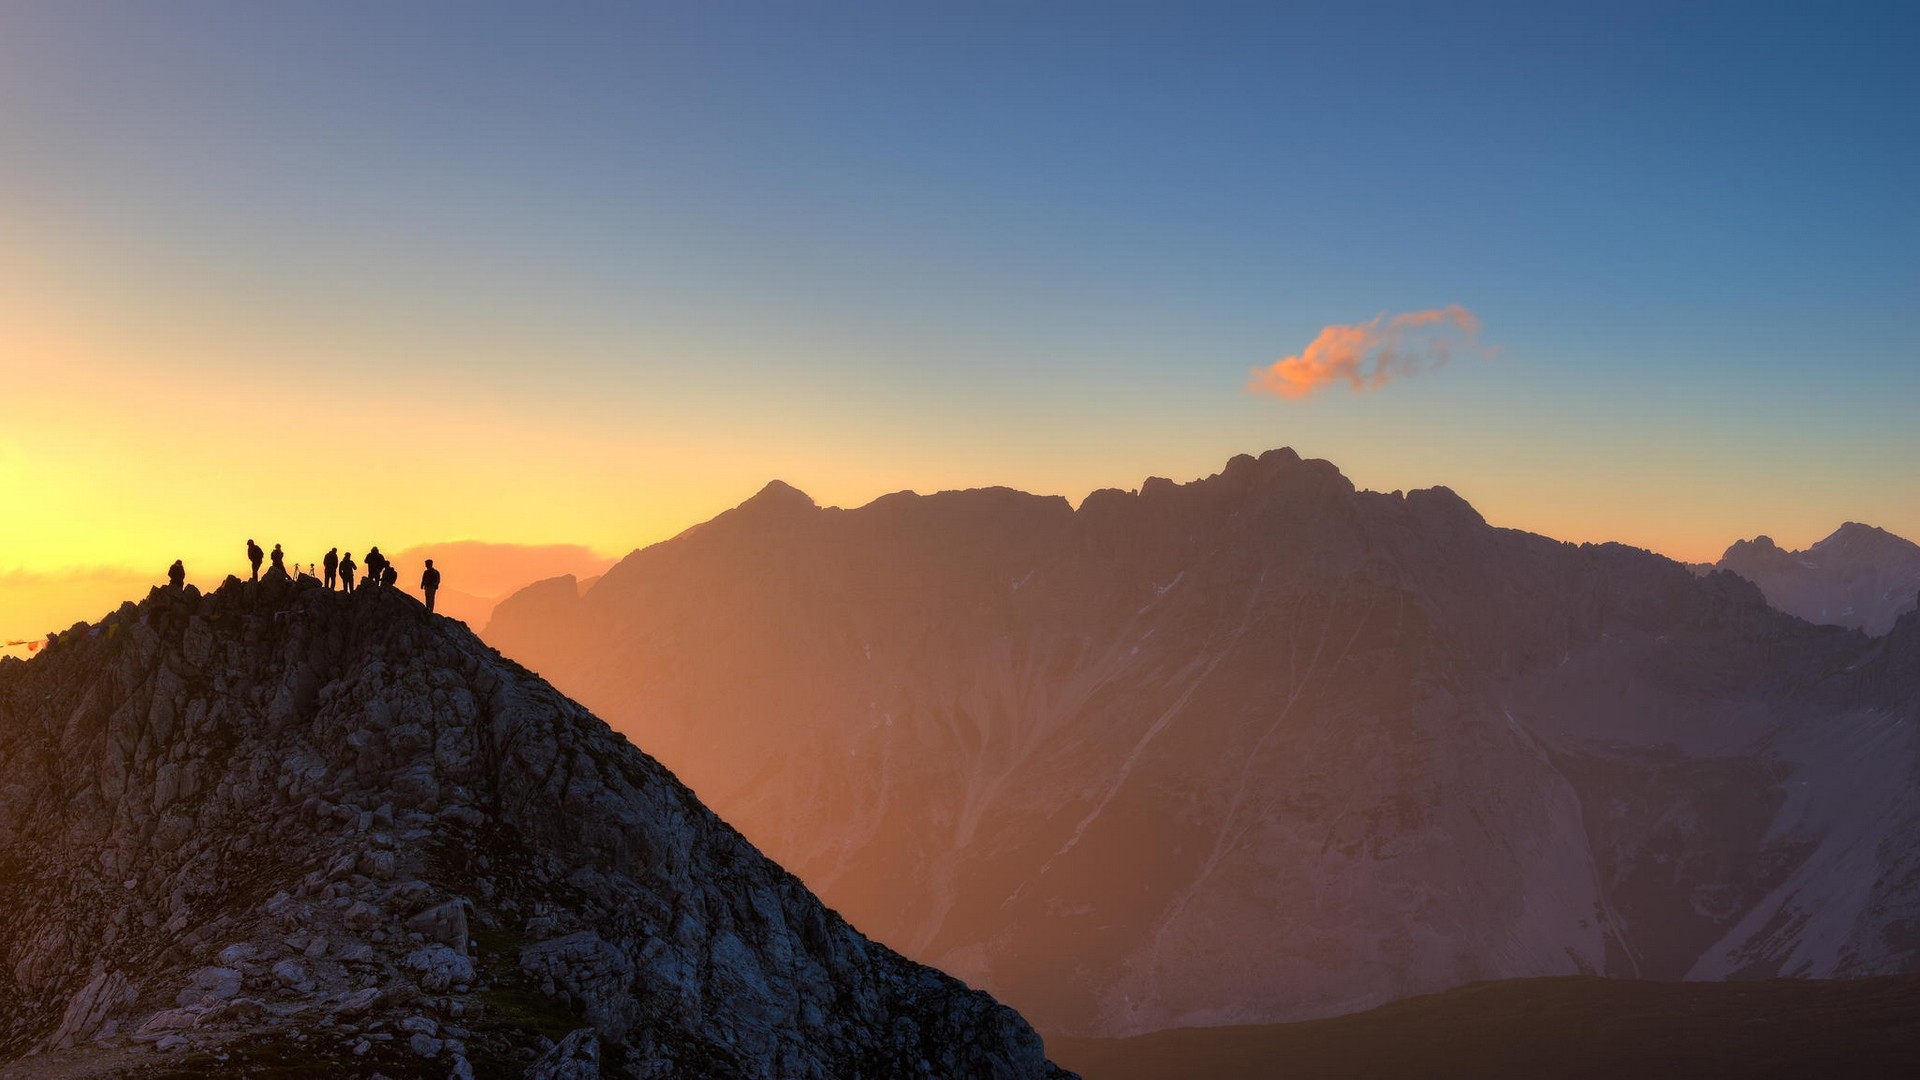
<point x="586" y="273"/>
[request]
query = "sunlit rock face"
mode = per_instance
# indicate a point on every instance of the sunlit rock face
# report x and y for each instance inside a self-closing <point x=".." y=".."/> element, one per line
<point x="283" y="827"/>
<point x="1859" y="576"/>
<point x="1261" y="746"/>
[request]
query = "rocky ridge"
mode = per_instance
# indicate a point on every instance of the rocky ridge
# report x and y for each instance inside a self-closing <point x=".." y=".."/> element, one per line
<point x="278" y="828"/>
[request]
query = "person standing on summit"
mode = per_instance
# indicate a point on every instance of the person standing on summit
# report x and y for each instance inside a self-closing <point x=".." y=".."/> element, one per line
<point x="376" y="562"/>
<point x="330" y="566"/>
<point x="177" y="575"/>
<point x="279" y="560"/>
<point x="254" y="555"/>
<point x="346" y="572"/>
<point x="430" y="584"/>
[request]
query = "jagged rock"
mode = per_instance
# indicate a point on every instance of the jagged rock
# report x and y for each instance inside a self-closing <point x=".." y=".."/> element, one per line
<point x="239" y="1009"/>
<point x="88" y="1010"/>
<point x="292" y="975"/>
<point x="362" y="916"/>
<point x="210" y="985"/>
<point x="592" y="972"/>
<point x="378" y="865"/>
<point x="576" y="1057"/>
<point x="419" y="1025"/>
<point x="439" y="968"/>
<point x="357" y="1002"/>
<point x="170" y="1020"/>
<point x="445" y="923"/>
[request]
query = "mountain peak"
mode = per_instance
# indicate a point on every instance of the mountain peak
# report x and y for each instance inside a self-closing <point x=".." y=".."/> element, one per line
<point x="1444" y="501"/>
<point x="306" y="817"/>
<point x="778" y="494"/>
<point x="1860" y="535"/>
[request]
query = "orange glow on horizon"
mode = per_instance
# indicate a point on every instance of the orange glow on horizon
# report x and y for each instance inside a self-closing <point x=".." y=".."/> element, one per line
<point x="126" y="443"/>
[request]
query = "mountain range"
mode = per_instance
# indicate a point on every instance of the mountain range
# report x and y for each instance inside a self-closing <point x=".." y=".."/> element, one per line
<point x="1262" y="747"/>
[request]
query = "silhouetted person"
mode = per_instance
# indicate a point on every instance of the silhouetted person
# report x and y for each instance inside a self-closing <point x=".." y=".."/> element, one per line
<point x="331" y="564"/>
<point x="430" y="583"/>
<point x="346" y="571"/>
<point x="254" y="555"/>
<point x="177" y="575"/>
<point x="278" y="559"/>
<point x="376" y="563"/>
<point x="389" y="577"/>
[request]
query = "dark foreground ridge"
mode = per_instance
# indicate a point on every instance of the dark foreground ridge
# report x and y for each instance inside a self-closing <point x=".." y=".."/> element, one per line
<point x="1561" y="1027"/>
<point x="276" y="830"/>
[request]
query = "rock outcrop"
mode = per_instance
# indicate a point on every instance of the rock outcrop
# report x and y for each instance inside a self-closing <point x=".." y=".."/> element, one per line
<point x="280" y="827"/>
<point x="1261" y="746"/>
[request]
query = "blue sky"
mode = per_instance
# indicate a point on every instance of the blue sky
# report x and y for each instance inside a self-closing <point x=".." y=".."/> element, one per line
<point x="867" y="247"/>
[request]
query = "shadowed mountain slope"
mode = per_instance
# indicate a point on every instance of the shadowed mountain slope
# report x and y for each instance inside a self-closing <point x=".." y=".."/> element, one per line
<point x="278" y="828"/>
<point x="1860" y="576"/>
<point x="1262" y="746"/>
<point x="1567" y="1027"/>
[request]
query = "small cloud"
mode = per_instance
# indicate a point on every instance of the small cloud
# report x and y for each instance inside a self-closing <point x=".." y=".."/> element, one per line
<point x="1371" y="354"/>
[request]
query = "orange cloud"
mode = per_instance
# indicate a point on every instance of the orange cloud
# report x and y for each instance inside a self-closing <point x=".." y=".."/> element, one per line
<point x="1368" y="355"/>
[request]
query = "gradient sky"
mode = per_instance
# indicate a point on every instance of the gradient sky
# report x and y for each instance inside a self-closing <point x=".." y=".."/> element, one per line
<point x="589" y="273"/>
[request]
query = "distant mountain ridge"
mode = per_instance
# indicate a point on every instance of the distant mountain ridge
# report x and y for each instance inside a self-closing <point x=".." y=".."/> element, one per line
<point x="1859" y="576"/>
<point x="1262" y="746"/>
<point x="277" y="830"/>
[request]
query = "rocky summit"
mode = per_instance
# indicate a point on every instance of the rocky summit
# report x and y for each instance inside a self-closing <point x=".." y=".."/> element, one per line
<point x="276" y="830"/>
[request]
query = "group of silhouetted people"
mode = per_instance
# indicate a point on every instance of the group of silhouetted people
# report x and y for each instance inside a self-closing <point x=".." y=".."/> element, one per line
<point x="380" y="572"/>
<point x="335" y="567"/>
